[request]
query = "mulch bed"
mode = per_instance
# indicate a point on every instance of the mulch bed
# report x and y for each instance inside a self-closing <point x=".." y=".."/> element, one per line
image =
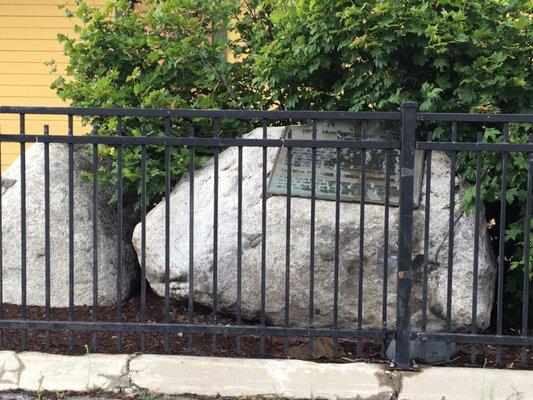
<point x="207" y="344"/>
<point x="127" y="394"/>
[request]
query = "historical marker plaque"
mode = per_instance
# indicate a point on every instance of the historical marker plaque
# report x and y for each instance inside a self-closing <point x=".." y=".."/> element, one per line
<point x="350" y="168"/>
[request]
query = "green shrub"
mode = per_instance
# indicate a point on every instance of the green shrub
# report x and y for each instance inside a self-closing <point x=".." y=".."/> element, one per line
<point x="449" y="55"/>
<point x="161" y="57"/>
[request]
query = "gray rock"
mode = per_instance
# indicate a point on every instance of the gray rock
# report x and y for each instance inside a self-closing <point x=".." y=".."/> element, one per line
<point x="350" y="253"/>
<point x="6" y="184"/>
<point x="463" y="254"/>
<point x="59" y="222"/>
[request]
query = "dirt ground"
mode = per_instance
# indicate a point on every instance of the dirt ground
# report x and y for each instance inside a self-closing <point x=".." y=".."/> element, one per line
<point x="127" y="395"/>
<point x="216" y="345"/>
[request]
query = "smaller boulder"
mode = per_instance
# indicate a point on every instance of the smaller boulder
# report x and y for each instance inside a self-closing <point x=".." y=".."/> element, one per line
<point x="59" y="233"/>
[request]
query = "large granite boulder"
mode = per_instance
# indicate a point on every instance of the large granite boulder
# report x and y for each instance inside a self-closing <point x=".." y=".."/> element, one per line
<point x="373" y="252"/>
<point x="59" y="233"/>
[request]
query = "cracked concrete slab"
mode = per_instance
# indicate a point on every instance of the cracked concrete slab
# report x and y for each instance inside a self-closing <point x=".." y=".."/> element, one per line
<point x="210" y="376"/>
<point x="437" y="383"/>
<point x="10" y="369"/>
<point x="52" y="372"/>
<point x="238" y="378"/>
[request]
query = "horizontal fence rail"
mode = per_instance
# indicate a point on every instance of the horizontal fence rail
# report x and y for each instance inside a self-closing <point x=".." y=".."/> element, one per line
<point x="210" y="142"/>
<point x="149" y="157"/>
<point x="232" y="114"/>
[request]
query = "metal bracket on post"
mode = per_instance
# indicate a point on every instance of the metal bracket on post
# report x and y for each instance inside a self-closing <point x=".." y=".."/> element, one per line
<point x="402" y="359"/>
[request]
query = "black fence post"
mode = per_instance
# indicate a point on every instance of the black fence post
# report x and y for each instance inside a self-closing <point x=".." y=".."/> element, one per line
<point x="402" y="359"/>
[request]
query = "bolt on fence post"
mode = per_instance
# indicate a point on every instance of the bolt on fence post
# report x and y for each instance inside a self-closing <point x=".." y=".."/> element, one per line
<point x="402" y="357"/>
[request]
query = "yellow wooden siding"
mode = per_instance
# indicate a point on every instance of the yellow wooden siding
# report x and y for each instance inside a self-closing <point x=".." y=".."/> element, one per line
<point x="34" y="21"/>
<point x="28" y="39"/>
<point x="39" y="57"/>
<point x="18" y="33"/>
<point x="29" y="68"/>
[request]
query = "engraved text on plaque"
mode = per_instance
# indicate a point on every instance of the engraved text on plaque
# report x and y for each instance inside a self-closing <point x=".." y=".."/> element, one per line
<point x="350" y="168"/>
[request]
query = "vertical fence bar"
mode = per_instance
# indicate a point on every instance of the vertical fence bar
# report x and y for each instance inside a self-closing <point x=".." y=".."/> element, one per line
<point x="216" y="133"/>
<point x="501" y="243"/>
<point x="120" y="156"/>
<point x="288" y="246"/>
<point x="239" y="244"/>
<point x="451" y="235"/>
<point x="143" y="242"/>
<point x="23" y="315"/>
<point x="95" y="239"/>
<point x="190" y="309"/>
<point x="527" y="249"/>
<point x="337" y="249"/>
<point x="71" y="231"/>
<point x="263" y="236"/>
<point x="386" y="244"/>
<point x="167" y="235"/>
<point x="312" y="241"/>
<point x="361" y="240"/>
<point x="46" y="131"/>
<point x="405" y="240"/>
<point x="427" y="212"/>
<point x="478" y="206"/>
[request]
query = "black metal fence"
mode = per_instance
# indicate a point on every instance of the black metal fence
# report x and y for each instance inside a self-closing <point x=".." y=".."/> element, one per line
<point x="254" y="336"/>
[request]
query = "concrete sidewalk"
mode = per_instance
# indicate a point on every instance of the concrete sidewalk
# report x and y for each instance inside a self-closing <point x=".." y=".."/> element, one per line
<point x="231" y="377"/>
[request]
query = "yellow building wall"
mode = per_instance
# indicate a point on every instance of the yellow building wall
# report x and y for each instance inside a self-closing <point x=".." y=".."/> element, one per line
<point x="28" y="38"/>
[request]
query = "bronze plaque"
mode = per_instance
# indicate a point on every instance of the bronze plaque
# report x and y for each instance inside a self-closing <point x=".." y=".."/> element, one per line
<point x="350" y="165"/>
